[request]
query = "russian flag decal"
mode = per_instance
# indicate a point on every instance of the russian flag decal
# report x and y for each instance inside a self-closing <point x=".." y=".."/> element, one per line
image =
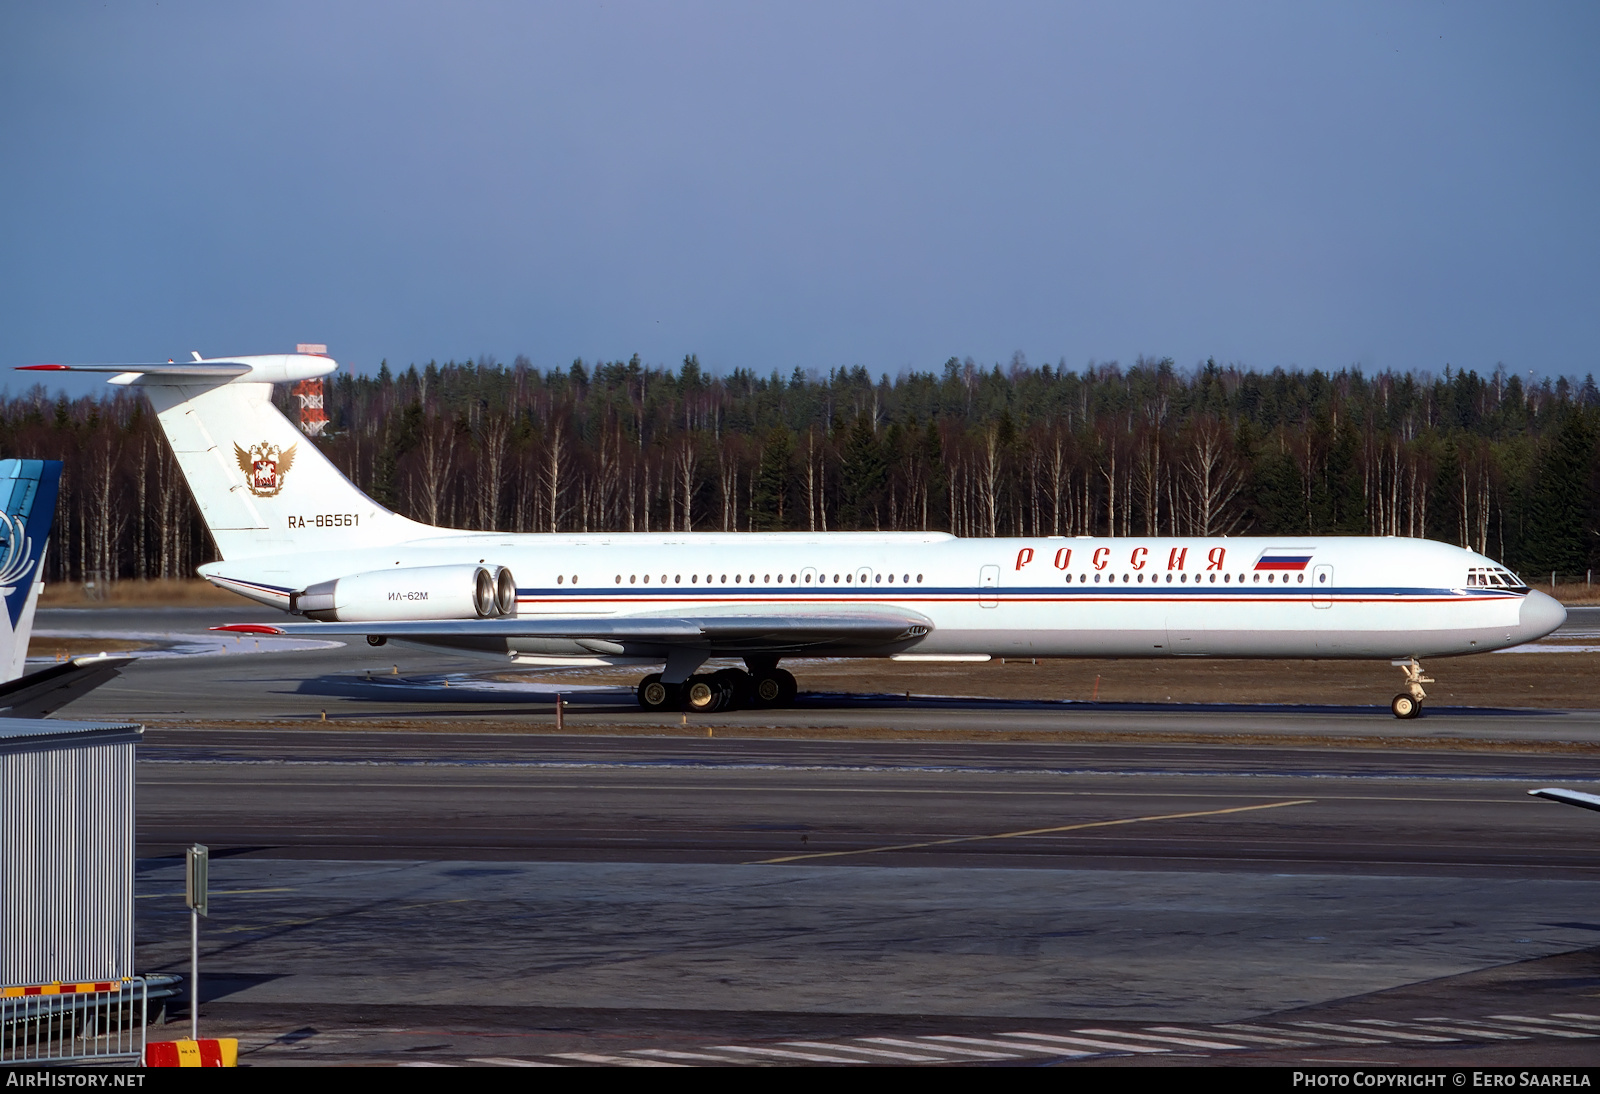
<point x="1283" y="558"/>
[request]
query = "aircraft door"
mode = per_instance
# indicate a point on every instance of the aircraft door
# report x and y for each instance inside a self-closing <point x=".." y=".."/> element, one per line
<point x="864" y="576"/>
<point x="989" y="587"/>
<point x="1186" y="630"/>
<point x="1322" y="593"/>
<point x="808" y="576"/>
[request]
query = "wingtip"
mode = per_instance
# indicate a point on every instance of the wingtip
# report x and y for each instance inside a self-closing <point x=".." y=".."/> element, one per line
<point x="248" y="628"/>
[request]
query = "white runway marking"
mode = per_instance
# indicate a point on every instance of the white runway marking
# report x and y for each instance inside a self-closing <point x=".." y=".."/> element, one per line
<point x="1440" y="1027"/>
<point x="786" y="1054"/>
<point x="1544" y="1025"/>
<point x="1253" y="1039"/>
<point x="895" y="1042"/>
<point x="1186" y="1042"/>
<point x="619" y="1061"/>
<point x="1476" y="1024"/>
<point x="1229" y="1027"/>
<point x="1095" y="1046"/>
<point x="985" y="1042"/>
<point x="1097" y="1041"/>
<point x="1337" y="1028"/>
<point x="908" y="1057"/>
<point x="672" y="1054"/>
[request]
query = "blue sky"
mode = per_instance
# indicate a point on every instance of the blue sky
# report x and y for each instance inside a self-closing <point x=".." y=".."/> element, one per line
<point x="812" y="185"/>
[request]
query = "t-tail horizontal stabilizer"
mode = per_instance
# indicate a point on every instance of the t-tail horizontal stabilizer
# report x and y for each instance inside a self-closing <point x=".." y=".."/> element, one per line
<point x="262" y="487"/>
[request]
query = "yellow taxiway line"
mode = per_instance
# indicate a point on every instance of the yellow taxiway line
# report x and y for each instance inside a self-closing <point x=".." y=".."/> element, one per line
<point x="1028" y="832"/>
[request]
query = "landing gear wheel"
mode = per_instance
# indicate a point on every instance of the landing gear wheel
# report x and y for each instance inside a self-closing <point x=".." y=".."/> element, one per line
<point x="787" y="688"/>
<point x="1408" y="704"/>
<point x="768" y="690"/>
<point x="736" y="684"/>
<point x="655" y="695"/>
<point x="703" y="695"/>
<point x="770" y="686"/>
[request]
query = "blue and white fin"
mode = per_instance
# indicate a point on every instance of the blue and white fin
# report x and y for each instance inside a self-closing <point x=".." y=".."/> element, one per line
<point x="28" y="490"/>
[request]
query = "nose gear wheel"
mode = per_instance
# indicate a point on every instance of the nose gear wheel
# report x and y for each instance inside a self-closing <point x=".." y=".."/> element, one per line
<point x="1408" y="704"/>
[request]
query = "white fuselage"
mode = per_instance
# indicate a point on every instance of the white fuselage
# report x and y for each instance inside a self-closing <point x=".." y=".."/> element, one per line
<point x="295" y="533"/>
<point x="1277" y="597"/>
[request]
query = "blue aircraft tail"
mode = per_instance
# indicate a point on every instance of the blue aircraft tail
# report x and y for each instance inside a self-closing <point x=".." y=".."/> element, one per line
<point x="28" y="490"/>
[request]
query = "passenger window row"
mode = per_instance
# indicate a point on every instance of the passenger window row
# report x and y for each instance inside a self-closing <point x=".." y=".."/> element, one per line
<point x="1500" y="578"/>
<point x="1183" y="579"/>
<point x="1478" y="576"/>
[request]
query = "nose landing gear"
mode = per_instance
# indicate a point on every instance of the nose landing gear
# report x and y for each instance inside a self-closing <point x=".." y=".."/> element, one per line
<point x="1408" y="704"/>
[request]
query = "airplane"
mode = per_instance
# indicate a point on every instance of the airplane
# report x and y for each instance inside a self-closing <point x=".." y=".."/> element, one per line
<point x="28" y="491"/>
<point x="295" y="534"/>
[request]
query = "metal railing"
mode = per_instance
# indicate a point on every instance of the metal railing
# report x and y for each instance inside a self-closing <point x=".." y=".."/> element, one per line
<point x="101" y="1022"/>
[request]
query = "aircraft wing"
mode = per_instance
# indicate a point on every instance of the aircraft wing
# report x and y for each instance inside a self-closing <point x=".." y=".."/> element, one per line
<point x="48" y="690"/>
<point x="1569" y="797"/>
<point x="722" y="633"/>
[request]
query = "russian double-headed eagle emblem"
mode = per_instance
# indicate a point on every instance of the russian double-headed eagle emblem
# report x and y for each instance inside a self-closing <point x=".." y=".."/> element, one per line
<point x="264" y="467"/>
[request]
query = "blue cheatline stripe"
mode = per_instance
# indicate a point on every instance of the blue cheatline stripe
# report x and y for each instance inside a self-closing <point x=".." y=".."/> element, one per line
<point x="282" y="589"/>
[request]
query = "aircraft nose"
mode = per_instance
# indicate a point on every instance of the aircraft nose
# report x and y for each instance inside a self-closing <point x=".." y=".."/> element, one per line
<point x="1541" y="614"/>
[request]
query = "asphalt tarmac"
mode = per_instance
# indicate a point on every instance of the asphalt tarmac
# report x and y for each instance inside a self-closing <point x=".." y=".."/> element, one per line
<point x="862" y="880"/>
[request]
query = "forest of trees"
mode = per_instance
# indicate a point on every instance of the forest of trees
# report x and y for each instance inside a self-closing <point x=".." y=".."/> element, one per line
<point x="1505" y="467"/>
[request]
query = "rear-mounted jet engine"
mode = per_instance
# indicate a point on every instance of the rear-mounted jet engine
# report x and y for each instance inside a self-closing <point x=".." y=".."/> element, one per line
<point x="411" y="592"/>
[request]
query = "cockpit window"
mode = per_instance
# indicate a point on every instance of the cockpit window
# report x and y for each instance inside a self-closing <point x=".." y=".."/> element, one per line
<point x="1495" y="577"/>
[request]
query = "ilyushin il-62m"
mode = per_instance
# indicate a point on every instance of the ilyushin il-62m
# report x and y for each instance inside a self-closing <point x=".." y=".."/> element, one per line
<point x="295" y="534"/>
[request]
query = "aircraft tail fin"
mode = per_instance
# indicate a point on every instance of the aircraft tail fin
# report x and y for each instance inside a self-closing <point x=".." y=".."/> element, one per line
<point x="28" y="490"/>
<point x="263" y="487"/>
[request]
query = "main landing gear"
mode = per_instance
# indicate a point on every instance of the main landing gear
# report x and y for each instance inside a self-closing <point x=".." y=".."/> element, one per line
<point x="1408" y="704"/>
<point x="763" y="687"/>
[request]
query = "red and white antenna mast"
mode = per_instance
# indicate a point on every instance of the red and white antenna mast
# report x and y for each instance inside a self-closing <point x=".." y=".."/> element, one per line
<point x="313" y="418"/>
